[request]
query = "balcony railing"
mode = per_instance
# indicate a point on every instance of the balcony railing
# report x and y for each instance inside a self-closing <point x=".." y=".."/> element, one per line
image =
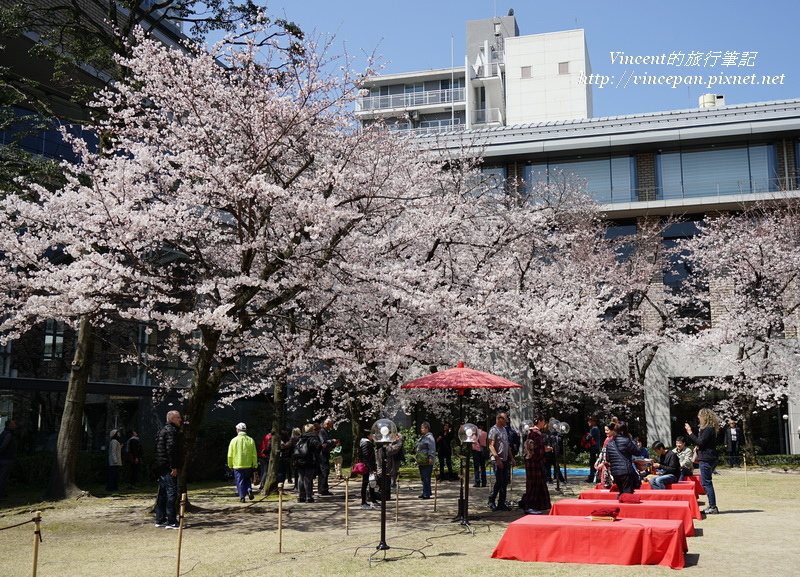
<point x="487" y="116"/>
<point x="425" y="98"/>
<point x="723" y="188"/>
<point x="699" y="190"/>
<point x="423" y="130"/>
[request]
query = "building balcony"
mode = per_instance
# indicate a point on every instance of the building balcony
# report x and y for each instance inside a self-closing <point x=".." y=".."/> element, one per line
<point x="487" y="116"/>
<point x="410" y="100"/>
<point x="723" y="195"/>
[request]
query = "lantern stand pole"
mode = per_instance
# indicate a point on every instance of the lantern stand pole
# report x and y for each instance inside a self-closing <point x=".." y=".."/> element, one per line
<point x="383" y="546"/>
<point x="463" y="504"/>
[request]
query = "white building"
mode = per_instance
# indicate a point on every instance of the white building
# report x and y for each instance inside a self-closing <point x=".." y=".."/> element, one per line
<point x="506" y="79"/>
<point x="521" y="100"/>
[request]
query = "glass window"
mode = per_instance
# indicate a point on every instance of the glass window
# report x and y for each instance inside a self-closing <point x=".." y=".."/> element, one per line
<point x="414" y="93"/>
<point x="608" y="180"/>
<point x="716" y="171"/>
<point x="525" y="72"/>
<point x="678" y="274"/>
<point x="563" y="67"/>
<point x="53" y="340"/>
<point x="492" y="182"/>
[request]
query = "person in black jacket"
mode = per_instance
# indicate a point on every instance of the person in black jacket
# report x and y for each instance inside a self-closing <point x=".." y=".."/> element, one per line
<point x="366" y="455"/>
<point x="305" y="457"/>
<point x="135" y="455"/>
<point x="619" y="452"/>
<point x="8" y="452"/>
<point x="733" y="441"/>
<point x="670" y="467"/>
<point x="445" y="451"/>
<point x="168" y="461"/>
<point x="706" y="442"/>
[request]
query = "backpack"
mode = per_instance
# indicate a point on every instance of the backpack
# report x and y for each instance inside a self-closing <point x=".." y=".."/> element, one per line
<point x="513" y="440"/>
<point x="587" y="441"/>
<point x="301" y="453"/>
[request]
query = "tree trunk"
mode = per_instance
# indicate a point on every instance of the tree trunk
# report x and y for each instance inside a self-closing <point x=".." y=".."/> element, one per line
<point x="356" y="425"/>
<point x="278" y="420"/>
<point x="62" y="477"/>
<point x="749" y="448"/>
<point x="205" y="384"/>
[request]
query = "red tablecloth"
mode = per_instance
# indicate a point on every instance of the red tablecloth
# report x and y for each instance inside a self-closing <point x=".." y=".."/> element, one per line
<point x="675" y="495"/>
<point x="698" y="488"/>
<point x="558" y="539"/>
<point x="675" y="510"/>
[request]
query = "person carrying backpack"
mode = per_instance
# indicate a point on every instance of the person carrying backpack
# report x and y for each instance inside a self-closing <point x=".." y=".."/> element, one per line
<point x="304" y="458"/>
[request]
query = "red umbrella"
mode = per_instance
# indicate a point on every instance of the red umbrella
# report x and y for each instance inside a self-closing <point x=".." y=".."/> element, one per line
<point x="461" y="378"/>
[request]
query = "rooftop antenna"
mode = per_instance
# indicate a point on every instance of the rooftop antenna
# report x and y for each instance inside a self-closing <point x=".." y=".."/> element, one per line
<point x="452" y="82"/>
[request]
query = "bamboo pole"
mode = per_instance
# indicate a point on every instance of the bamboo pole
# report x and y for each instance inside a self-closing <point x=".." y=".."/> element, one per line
<point x="435" y="491"/>
<point x="347" y="505"/>
<point x="744" y="460"/>
<point x="37" y="537"/>
<point x="180" y="534"/>
<point x="280" y="517"/>
<point x="396" y="500"/>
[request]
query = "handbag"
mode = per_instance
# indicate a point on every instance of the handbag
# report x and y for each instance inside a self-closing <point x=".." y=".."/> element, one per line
<point x="695" y="458"/>
<point x="421" y="459"/>
<point x="359" y="469"/>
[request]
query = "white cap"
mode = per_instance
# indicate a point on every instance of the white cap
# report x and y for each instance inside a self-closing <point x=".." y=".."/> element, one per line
<point x="241" y="427"/>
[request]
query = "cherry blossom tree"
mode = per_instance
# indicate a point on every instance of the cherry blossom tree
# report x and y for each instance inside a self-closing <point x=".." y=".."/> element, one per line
<point x="751" y="264"/>
<point x="220" y="198"/>
<point x="644" y="315"/>
<point x="74" y="43"/>
<point x="541" y="314"/>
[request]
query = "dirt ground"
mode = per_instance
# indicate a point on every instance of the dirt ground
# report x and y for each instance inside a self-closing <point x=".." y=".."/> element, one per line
<point x="756" y="532"/>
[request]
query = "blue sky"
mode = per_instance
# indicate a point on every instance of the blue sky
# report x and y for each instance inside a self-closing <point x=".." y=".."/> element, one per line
<point x="416" y="35"/>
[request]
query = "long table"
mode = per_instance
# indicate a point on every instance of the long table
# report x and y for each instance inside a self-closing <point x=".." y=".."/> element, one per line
<point x="679" y="485"/>
<point x="675" y="495"/>
<point x="674" y="510"/>
<point x="557" y="539"/>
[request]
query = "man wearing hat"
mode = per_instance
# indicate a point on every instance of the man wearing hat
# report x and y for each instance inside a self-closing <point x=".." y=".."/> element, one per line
<point x="242" y="458"/>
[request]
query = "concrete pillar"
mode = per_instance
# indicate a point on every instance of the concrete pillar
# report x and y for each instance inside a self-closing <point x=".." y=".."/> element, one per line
<point x="657" y="404"/>
<point x="794" y="414"/>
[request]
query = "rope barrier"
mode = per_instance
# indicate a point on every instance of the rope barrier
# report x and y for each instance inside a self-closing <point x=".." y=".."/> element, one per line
<point x="37" y="536"/>
<point x="20" y="524"/>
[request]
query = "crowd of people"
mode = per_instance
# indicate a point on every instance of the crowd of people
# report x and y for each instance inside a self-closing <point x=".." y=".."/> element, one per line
<point x="619" y="461"/>
<point x="624" y="464"/>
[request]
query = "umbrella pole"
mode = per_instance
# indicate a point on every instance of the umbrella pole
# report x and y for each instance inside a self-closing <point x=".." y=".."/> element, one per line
<point x="461" y="513"/>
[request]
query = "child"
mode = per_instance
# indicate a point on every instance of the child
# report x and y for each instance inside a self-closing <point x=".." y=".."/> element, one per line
<point x="336" y="453"/>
